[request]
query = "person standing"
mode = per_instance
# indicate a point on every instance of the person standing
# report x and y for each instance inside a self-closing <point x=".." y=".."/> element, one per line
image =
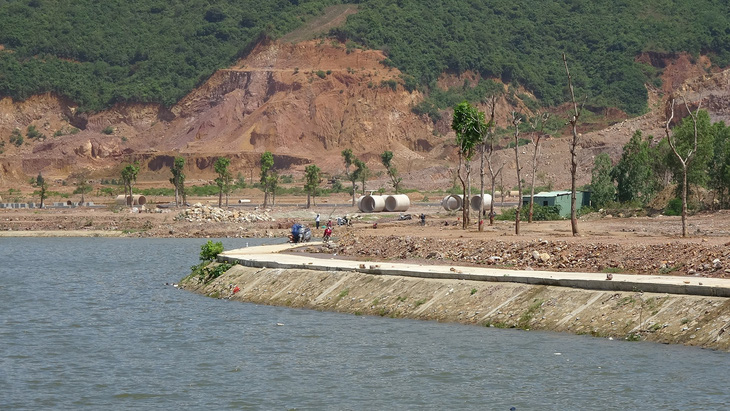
<point x="316" y="221"/>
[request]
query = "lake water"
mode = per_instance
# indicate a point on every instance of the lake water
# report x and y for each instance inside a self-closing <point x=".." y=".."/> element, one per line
<point x="88" y="323"/>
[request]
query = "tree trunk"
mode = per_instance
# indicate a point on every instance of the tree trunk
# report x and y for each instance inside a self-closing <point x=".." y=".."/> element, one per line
<point x="220" y="198"/>
<point x="573" y="170"/>
<point x="480" y="219"/>
<point x="516" y="123"/>
<point x="684" y="200"/>
<point x="532" y="184"/>
<point x="353" y="193"/>
<point x="308" y="200"/>
<point x="573" y="145"/>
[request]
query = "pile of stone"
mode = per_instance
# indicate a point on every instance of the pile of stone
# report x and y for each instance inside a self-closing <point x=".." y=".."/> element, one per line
<point x="204" y="213"/>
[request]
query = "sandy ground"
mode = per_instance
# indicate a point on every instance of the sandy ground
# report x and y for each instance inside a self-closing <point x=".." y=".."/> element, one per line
<point x="611" y="244"/>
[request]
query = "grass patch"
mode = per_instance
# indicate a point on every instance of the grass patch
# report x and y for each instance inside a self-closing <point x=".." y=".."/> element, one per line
<point x="612" y="270"/>
<point x="418" y="303"/>
<point x="473" y="291"/>
<point x="497" y="324"/>
<point x="344" y="293"/>
<point x="633" y="337"/>
<point x="526" y="317"/>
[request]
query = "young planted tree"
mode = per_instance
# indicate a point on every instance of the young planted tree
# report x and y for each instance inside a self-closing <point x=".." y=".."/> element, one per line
<point x="361" y="173"/>
<point x="349" y="161"/>
<point x="573" y="149"/>
<point x="81" y="181"/>
<point x="223" y="181"/>
<point x="487" y="146"/>
<point x="312" y="177"/>
<point x="387" y="159"/>
<point x="538" y="125"/>
<point x="602" y="189"/>
<point x="272" y="184"/>
<point x="516" y="120"/>
<point x="40" y="182"/>
<point x="129" y="177"/>
<point x="469" y="125"/>
<point x="267" y="163"/>
<point x="178" y="179"/>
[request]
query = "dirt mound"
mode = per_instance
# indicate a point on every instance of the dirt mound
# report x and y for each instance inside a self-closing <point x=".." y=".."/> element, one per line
<point x="305" y="103"/>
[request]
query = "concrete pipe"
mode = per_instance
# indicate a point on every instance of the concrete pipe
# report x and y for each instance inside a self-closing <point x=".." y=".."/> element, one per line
<point x="476" y="202"/>
<point x="452" y="202"/>
<point x="358" y="201"/>
<point x="139" y="200"/>
<point x="372" y="204"/>
<point x="136" y="199"/>
<point x="397" y="202"/>
<point x="123" y="200"/>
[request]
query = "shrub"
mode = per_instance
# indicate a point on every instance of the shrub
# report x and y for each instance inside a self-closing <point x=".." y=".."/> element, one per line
<point x="210" y="250"/>
<point x="320" y="74"/>
<point x="108" y="130"/>
<point x="539" y="213"/>
<point x="674" y="207"/>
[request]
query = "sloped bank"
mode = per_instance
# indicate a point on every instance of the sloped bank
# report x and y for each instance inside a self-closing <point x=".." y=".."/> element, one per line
<point x="666" y="318"/>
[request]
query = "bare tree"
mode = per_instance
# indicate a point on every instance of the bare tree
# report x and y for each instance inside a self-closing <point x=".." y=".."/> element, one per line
<point x="516" y="120"/>
<point x="487" y="146"/>
<point x="538" y="121"/>
<point x="686" y="160"/>
<point x="493" y="170"/>
<point x="573" y="147"/>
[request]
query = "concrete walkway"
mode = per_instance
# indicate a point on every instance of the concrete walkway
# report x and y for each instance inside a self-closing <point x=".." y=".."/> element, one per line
<point x="270" y="256"/>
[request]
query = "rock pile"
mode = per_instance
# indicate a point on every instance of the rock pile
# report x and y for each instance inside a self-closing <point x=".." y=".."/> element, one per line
<point x="204" y="213"/>
<point x="668" y="258"/>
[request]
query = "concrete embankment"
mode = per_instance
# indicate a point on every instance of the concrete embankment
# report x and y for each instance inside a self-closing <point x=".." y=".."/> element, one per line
<point x="367" y="289"/>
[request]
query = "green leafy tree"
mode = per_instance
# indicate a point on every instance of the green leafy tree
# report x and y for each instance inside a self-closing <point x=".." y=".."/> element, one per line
<point x="40" y="182"/>
<point x="387" y="159"/>
<point x="361" y="173"/>
<point x="267" y="163"/>
<point x="719" y="169"/>
<point x="178" y="179"/>
<point x="81" y="181"/>
<point x="469" y="125"/>
<point x="312" y="177"/>
<point x="633" y="173"/>
<point x="129" y="177"/>
<point x="272" y="185"/>
<point x="223" y="181"/>
<point x="349" y="158"/>
<point x="602" y="188"/>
